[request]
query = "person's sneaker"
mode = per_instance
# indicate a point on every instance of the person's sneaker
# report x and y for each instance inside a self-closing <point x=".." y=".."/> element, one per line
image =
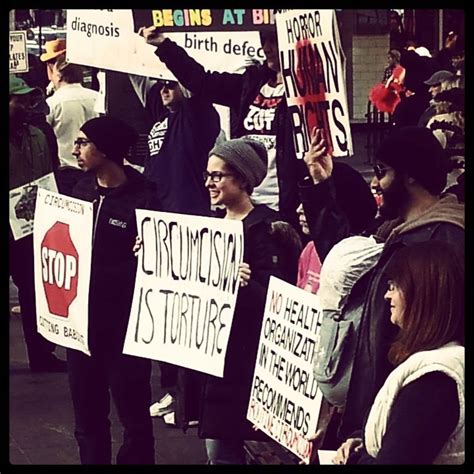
<point x="16" y="310"/>
<point x="163" y="406"/>
<point x="49" y="364"/>
<point x="193" y="423"/>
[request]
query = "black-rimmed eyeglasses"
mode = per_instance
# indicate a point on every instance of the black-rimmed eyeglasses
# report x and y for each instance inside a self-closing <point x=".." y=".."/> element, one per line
<point x="81" y="141"/>
<point x="215" y="176"/>
<point x="380" y="170"/>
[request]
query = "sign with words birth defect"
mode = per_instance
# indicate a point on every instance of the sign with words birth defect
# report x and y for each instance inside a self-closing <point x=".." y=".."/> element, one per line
<point x="185" y="289"/>
<point x="108" y="39"/>
<point x="285" y="400"/>
<point x="62" y="240"/>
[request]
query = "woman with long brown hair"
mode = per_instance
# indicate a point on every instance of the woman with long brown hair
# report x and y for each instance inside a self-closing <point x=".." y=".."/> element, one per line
<point x="418" y="415"/>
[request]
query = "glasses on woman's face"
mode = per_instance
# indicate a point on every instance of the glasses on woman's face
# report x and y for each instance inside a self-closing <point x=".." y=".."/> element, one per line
<point x="215" y="176"/>
<point x="380" y="170"/>
<point x="81" y="141"/>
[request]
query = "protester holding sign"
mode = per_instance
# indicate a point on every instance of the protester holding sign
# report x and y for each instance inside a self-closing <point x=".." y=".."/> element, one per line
<point x="258" y="109"/>
<point x="234" y="168"/>
<point x="29" y="160"/>
<point x="185" y="129"/>
<point x="417" y="416"/>
<point x="417" y="212"/>
<point x="116" y="191"/>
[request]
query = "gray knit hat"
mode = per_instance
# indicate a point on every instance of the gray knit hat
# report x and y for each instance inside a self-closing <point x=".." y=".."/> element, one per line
<point x="247" y="157"/>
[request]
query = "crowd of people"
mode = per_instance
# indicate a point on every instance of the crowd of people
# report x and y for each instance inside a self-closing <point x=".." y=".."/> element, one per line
<point x="388" y="269"/>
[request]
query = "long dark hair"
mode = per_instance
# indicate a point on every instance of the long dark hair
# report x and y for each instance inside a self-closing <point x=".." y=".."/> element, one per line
<point x="430" y="276"/>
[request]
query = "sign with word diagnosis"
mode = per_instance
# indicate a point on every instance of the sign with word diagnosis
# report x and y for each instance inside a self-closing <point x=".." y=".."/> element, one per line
<point x="185" y="289"/>
<point x="285" y="400"/>
<point x="62" y="258"/>
<point x="108" y="39"/>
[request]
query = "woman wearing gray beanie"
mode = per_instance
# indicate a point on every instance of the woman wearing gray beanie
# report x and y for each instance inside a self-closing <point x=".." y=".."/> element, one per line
<point x="234" y="168"/>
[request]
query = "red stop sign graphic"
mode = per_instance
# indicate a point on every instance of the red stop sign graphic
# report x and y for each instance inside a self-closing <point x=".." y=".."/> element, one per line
<point x="60" y="265"/>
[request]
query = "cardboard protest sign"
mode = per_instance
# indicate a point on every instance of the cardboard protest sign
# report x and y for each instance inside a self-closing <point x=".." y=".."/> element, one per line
<point x="62" y="241"/>
<point x="312" y="63"/>
<point x="18" y="52"/>
<point x="285" y="400"/>
<point x="205" y="19"/>
<point x="185" y="289"/>
<point x="106" y="39"/>
<point x="22" y="205"/>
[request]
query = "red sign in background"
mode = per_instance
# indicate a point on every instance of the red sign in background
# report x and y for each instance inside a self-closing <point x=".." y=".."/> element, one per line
<point x="60" y="265"/>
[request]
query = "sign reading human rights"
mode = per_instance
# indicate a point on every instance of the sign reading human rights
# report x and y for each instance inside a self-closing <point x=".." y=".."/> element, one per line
<point x="18" y="52"/>
<point x="22" y="201"/>
<point x="108" y="39"/>
<point x="62" y="240"/>
<point x="185" y="289"/>
<point x="205" y="19"/>
<point x="285" y="400"/>
<point x="312" y="63"/>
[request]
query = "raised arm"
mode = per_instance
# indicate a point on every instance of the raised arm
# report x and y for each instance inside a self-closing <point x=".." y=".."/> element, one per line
<point x="219" y="88"/>
<point x="327" y="222"/>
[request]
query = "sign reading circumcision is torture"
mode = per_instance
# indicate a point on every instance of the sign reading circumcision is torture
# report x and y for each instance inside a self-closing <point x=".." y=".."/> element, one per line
<point x="285" y="400"/>
<point x="62" y="258"/>
<point x="185" y="289"/>
<point x="312" y="63"/>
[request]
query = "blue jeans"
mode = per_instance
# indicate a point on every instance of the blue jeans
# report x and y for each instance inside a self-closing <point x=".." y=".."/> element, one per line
<point x="225" y="451"/>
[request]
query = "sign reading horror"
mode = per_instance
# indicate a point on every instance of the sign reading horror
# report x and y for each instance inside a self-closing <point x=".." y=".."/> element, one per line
<point x="312" y="63"/>
<point x="62" y="258"/>
<point x="185" y="289"/>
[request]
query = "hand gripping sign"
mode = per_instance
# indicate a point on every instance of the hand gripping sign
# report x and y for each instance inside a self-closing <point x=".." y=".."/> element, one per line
<point x="62" y="252"/>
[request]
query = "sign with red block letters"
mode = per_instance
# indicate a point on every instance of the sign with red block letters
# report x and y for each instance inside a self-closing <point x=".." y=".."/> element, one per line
<point x="62" y="256"/>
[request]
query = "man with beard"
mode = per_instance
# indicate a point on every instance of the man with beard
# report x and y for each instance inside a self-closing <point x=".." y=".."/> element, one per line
<point x="411" y="171"/>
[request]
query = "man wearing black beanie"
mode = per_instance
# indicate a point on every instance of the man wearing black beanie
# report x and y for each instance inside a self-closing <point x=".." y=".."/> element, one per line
<point x="411" y="173"/>
<point x="116" y="191"/>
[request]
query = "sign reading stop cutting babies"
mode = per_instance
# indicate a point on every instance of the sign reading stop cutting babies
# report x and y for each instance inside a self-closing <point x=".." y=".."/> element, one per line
<point x="62" y="259"/>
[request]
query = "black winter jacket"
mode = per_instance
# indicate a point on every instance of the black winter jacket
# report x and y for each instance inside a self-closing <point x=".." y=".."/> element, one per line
<point x="178" y="166"/>
<point x="224" y="401"/>
<point x="113" y="266"/>
<point x="238" y="91"/>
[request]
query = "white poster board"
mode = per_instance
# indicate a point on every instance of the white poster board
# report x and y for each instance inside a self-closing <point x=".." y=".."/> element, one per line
<point x="62" y="241"/>
<point x="106" y="39"/>
<point x="18" y="52"/>
<point x="312" y="62"/>
<point x="285" y="400"/>
<point x="185" y="289"/>
<point x="22" y="201"/>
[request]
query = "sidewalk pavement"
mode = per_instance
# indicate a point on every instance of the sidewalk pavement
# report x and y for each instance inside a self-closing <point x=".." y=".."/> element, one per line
<point x="42" y="418"/>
